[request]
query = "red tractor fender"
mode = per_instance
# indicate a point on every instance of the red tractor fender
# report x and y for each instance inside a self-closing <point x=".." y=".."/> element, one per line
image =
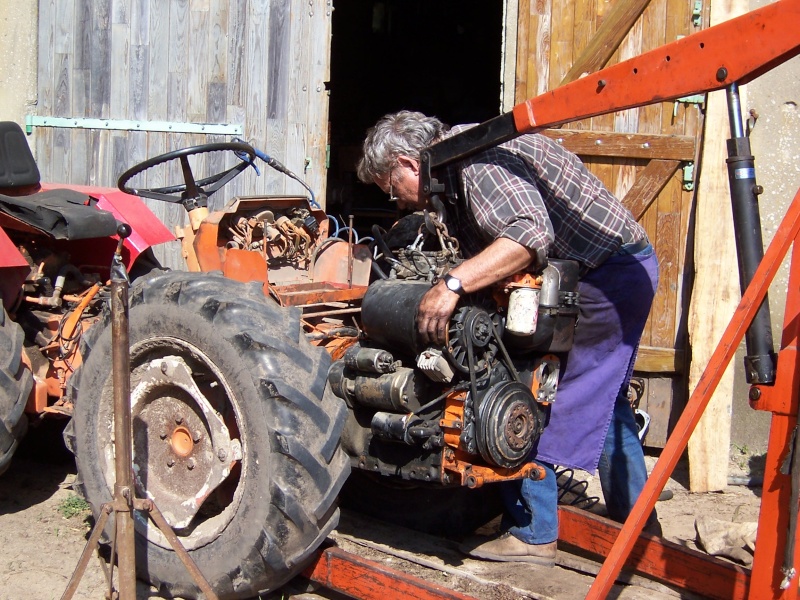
<point x="146" y="229"/>
<point x="13" y="269"/>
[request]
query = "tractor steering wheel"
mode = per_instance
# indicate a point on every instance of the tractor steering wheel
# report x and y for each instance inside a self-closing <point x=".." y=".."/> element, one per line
<point x="190" y="190"/>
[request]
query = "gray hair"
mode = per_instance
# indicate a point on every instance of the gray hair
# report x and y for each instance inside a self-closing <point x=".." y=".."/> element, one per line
<point x="404" y="133"/>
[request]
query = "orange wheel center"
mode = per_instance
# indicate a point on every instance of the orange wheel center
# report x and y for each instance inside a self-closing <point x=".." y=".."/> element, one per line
<point x="181" y="442"/>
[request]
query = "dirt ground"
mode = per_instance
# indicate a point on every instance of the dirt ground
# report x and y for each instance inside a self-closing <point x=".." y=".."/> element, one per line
<point x="42" y="539"/>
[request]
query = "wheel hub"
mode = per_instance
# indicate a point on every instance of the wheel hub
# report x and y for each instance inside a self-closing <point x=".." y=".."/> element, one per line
<point x="182" y="448"/>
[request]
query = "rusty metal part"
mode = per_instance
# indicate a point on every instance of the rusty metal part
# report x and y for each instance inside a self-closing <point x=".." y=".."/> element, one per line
<point x="152" y="510"/>
<point x="124" y="535"/>
<point x="189" y="448"/>
<point x="654" y="557"/>
<point x="356" y="577"/>
<point x="91" y="545"/>
<point x="459" y="465"/>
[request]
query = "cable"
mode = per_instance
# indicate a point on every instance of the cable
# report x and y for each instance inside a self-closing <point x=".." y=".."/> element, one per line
<point x="278" y="166"/>
<point x="572" y="491"/>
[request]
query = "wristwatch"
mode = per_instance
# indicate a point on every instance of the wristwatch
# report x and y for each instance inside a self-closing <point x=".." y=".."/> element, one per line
<point x="453" y="284"/>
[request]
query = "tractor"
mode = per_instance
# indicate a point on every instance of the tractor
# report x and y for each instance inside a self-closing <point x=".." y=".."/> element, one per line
<point x="279" y="374"/>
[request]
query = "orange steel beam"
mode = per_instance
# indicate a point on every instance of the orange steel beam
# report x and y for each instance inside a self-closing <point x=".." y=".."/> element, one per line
<point x="357" y="577"/>
<point x="786" y="234"/>
<point x="657" y="558"/>
<point x="782" y="400"/>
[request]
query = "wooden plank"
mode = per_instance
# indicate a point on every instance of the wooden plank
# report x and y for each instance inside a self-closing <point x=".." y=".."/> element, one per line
<point x="659" y="360"/>
<point x="45" y="60"/>
<point x="277" y="67"/>
<point x="524" y="57"/>
<point x="158" y="69"/>
<point x="298" y="100"/>
<point x="139" y="78"/>
<point x="196" y="71"/>
<point x="63" y="31"/>
<point x="716" y="289"/>
<point x="607" y="39"/>
<point x="178" y="36"/>
<point x="661" y="396"/>
<point x="277" y="96"/>
<point x="672" y="246"/>
<point x="625" y="145"/>
<point x="652" y="22"/>
<point x="120" y="67"/>
<point x="544" y="26"/>
<point x="237" y="52"/>
<point x="561" y="41"/>
<point x="140" y="22"/>
<point x="255" y="101"/>
<point x="120" y="12"/>
<point x="62" y="107"/>
<point x="648" y="185"/>
<point x="218" y="19"/>
<point x="82" y="20"/>
<point x="627" y="121"/>
<point x="319" y="65"/>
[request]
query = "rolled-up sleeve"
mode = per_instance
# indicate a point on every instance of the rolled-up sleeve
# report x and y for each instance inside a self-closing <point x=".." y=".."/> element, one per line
<point x="506" y="204"/>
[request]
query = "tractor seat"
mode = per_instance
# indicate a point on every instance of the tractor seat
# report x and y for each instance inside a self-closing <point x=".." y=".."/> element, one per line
<point x="63" y="214"/>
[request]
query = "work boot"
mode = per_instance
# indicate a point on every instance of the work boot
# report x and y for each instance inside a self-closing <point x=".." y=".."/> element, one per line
<point x="507" y="548"/>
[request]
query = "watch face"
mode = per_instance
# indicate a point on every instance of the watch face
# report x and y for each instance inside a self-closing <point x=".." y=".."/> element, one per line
<point x="452" y="283"/>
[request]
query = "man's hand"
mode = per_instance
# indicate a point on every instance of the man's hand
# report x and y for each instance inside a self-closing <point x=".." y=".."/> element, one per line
<point x="435" y="310"/>
<point x="503" y="257"/>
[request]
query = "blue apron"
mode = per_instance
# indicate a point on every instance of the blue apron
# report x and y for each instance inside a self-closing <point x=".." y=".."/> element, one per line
<point x="615" y="300"/>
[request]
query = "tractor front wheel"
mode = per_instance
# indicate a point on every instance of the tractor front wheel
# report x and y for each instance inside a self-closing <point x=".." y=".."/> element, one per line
<point x="235" y="433"/>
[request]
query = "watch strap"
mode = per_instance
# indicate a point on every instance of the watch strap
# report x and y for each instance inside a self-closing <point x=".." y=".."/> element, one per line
<point x="453" y="288"/>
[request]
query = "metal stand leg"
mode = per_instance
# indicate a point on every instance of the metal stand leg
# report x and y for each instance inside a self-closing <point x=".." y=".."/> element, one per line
<point x="123" y="547"/>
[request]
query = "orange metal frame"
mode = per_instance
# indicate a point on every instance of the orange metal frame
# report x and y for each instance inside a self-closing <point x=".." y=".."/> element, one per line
<point x="781" y="399"/>
<point x="736" y="51"/>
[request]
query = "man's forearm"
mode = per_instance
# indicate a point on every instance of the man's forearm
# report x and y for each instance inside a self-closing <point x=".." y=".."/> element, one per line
<point x="499" y="260"/>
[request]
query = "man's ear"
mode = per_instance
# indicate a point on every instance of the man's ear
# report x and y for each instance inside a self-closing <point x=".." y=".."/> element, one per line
<point x="408" y="163"/>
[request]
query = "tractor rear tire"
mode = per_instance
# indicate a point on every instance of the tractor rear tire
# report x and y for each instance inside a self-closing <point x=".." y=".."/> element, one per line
<point x="15" y="385"/>
<point x="248" y="359"/>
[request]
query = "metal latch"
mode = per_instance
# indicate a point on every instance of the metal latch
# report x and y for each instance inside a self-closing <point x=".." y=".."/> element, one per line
<point x="688" y="177"/>
<point x="699" y="99"/>
<point x="697" y="13"/>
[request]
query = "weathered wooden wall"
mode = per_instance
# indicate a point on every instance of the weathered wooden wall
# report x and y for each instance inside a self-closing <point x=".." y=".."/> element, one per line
<point x="638" y="153"/>
<point x="261" y="64"/>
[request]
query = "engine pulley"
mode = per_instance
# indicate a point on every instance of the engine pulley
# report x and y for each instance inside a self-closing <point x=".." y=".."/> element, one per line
<point x="509" y="422"/>
<point x="470" y="326"/>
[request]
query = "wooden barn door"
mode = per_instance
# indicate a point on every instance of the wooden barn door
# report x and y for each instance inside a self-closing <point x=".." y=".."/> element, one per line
<point x="260" y="66"/>
<point x="645" y="156"/>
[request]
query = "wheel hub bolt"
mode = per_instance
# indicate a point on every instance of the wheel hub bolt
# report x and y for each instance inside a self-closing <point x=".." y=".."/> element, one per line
<point x="196" y="437"/>
<point x="190" y="464"/>
<point x="222" y="454"/>
<point x="164" y="367"/>
<point x="170" y="462"/>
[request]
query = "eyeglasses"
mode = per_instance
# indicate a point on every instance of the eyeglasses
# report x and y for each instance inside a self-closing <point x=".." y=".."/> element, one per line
<point x="392" y="197"/>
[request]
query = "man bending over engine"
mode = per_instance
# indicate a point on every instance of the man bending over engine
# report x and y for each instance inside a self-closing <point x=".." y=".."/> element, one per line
<point x="511" y="207"/>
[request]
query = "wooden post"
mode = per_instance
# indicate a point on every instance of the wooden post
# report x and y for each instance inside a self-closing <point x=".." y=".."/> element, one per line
<point x="716" y="286"/>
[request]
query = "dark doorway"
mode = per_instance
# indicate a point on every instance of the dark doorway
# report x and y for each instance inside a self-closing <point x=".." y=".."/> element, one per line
<point x="441" y="57"/>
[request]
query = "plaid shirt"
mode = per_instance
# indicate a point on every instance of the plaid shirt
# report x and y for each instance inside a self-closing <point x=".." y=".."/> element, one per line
<point x="535" y="192"/>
